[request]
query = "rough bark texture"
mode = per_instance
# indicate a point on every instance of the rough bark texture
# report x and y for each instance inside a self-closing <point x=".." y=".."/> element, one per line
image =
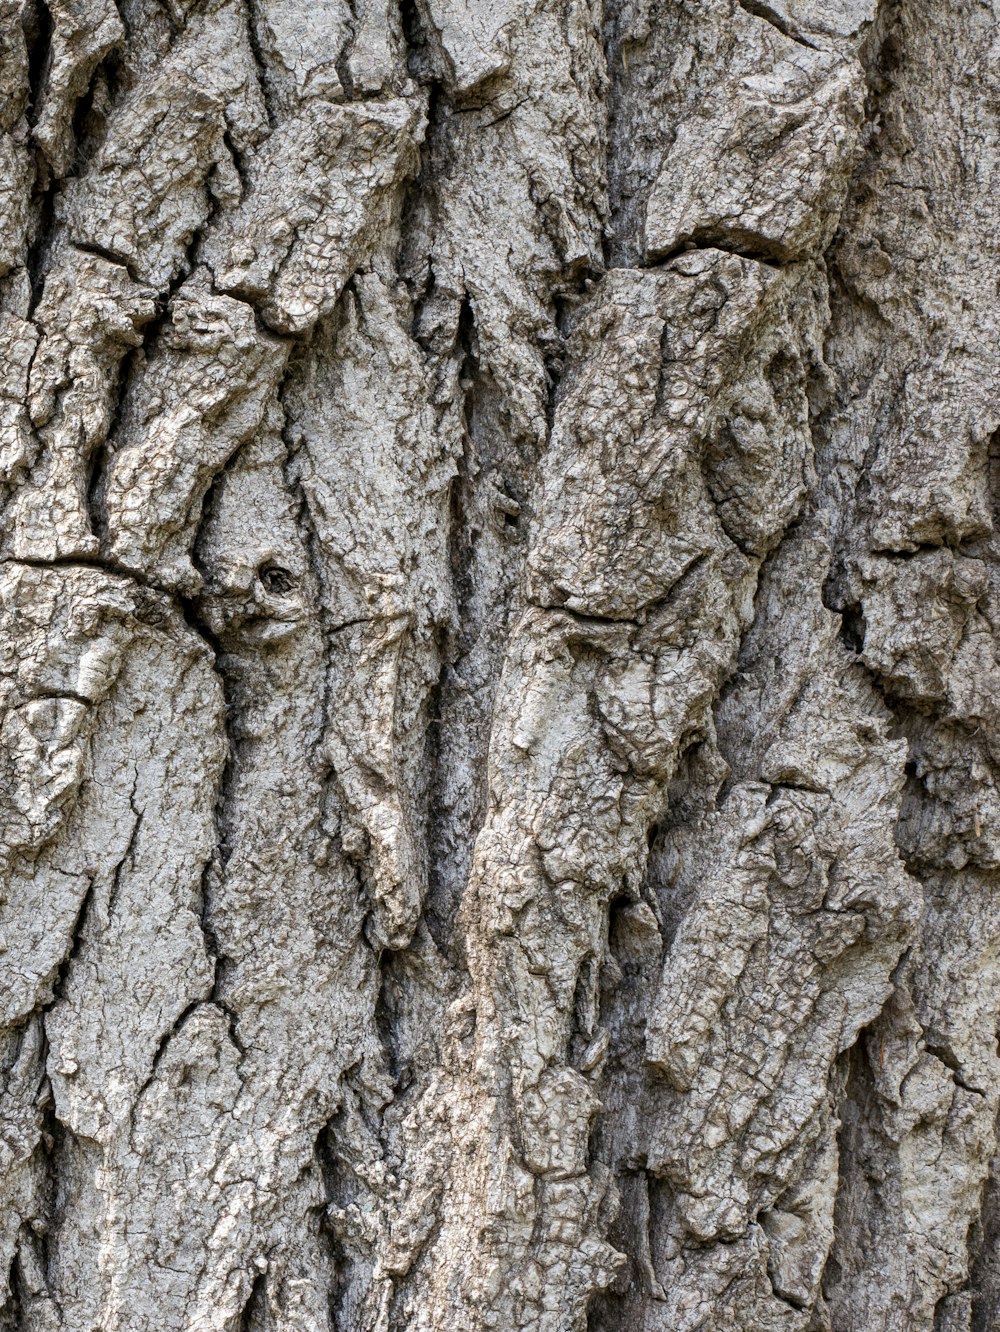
<point x="499" y="665"/>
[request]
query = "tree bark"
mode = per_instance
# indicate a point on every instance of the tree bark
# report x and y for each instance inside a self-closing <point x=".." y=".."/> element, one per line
<point x="499" y="666"/>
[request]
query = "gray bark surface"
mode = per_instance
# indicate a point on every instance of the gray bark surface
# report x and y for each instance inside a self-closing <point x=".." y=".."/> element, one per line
<point x="499" y="665"/>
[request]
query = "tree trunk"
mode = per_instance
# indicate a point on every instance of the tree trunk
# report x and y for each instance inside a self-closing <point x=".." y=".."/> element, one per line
<point x="499" y="666"/>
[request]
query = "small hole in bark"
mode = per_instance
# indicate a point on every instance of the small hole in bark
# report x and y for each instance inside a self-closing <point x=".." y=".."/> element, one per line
<point x="852" y="628"/>
<point x="275" y="579"/>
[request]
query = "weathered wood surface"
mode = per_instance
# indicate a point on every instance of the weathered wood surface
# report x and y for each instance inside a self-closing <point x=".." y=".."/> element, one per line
<point x="499" y="665"/>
